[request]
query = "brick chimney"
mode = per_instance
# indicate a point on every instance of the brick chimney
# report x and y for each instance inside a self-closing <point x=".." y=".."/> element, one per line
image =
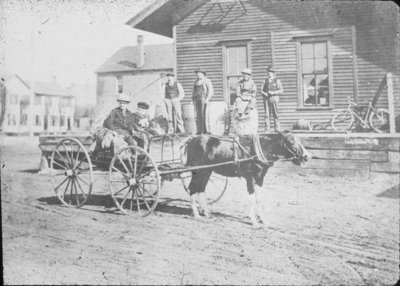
<point x="140" y="50"/>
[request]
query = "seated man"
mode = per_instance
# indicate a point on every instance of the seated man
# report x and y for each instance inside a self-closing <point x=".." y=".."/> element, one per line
<point x="120" y="120"/>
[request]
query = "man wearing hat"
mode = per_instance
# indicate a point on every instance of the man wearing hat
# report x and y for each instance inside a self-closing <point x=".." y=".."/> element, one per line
<point x="202" y="92"/>
<point x="270" y="90"/>
<point x="120" y="119"/>
<point x="173" y="94"/>
<point x="246" y="91"/>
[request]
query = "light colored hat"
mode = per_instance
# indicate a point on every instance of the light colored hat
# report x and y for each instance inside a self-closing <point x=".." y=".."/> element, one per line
<point x="246" y="71"/>
<point x="123" y="97"/>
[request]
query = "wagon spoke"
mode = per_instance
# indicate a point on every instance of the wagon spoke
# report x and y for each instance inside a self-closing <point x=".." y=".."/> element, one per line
<point x="76" y="191"/>
<point x="62" y="159"/>
<point x="80" y="163"/>
<point x="123" y="164"/>
<point x="66" y="188"/>
<point x="121" y="190"/>
<point x="65" y="168"/>
<point x="77" y="156"/>
<point x="135" y="164"/>
<point x="138" y="204"/>
<point x="66" y="153"/>
<point x="143" y="190"/>
<point x="145" y="174"/>
<point x="144" y="199"/>
<point x="80" y="187"/>
<point x="120" y="172"/>
<point x="83" y="181"/>
<point x="132" y="200"/>
<point x="124" y="200"/>
<point x="56" y="188"/>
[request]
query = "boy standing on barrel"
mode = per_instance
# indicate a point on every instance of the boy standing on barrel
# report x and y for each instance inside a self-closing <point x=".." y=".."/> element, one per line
<point x="202" y="92"/>
<point x="270" y="90"/>
<point x="173" y="94"/>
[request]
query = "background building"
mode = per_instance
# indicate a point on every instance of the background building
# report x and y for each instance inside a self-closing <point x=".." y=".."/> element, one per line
<point x="47" y="107"/>
<point x="135" y="71"/>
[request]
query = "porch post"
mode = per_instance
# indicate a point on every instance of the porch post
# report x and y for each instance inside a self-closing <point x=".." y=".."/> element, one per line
<point x="389" y="82"/>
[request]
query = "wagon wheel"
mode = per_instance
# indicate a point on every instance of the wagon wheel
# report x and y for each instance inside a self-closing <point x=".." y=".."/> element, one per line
<point x="215" y="189"/>
<point x="135" y="182"/>
<point x="71" y="172"/>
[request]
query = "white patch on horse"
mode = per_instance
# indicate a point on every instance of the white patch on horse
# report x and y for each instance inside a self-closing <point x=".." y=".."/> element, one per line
<point x="193" y="204"/>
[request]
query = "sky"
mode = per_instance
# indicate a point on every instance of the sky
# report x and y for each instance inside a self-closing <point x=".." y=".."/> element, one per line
<point x="66" y="40"/>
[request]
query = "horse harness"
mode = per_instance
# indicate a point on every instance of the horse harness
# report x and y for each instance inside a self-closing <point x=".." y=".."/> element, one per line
<point x="258" y="155"/>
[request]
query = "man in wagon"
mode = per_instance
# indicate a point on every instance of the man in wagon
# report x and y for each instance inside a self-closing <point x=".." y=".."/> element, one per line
<point x="120" y="120"/>
<point x="246" y="91"/>
<point x="271" y="90"/>
<point x="173" y="93"/>
<point x="202" y="92"/>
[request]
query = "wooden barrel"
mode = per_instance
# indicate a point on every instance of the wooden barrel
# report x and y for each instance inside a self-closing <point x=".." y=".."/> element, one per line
<point x="188" y="118"/>
<point x="217" y="117"/>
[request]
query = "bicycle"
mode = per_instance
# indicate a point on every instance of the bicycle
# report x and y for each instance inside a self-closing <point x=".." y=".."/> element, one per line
<point x="377" y="119"/>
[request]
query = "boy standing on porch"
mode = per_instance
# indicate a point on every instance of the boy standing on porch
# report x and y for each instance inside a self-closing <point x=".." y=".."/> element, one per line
<point x="173" y="94"/>
<point x="270" y="90"/>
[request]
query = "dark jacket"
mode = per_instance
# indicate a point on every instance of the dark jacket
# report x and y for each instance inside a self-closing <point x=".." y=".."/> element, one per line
<point x="117" y="122"/>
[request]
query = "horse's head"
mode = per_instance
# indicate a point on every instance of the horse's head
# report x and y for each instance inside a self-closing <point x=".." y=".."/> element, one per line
<point x="293" y="149"/>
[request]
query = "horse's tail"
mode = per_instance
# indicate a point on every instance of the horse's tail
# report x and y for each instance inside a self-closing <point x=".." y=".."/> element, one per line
<point x="183" y="151"/>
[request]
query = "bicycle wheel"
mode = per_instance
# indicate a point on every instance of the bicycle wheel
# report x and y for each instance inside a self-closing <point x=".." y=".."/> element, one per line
<point x="379" y="120"/>
<point x="342" y="120"/>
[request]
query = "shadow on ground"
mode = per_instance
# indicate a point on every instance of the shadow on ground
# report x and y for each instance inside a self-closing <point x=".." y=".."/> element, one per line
<point x="391" y="193"/>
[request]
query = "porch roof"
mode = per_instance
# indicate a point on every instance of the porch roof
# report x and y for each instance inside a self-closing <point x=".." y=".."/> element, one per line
<point x="161" y="15"/>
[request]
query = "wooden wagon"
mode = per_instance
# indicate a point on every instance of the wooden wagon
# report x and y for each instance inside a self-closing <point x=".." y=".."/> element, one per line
<point x="135" y="175"/>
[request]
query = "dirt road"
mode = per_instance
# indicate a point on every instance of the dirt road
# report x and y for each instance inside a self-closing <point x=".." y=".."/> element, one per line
<point x="319" y="231"/>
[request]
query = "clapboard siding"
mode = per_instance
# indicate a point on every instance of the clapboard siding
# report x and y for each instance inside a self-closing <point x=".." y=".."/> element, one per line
<point x="351" y="27"/>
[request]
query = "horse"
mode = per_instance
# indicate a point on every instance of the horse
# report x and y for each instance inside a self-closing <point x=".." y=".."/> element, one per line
<point x="250" y="155"/>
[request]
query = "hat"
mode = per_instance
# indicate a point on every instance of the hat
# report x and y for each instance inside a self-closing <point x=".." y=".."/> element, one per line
<point x="200" y="70"/>
<point x="123" y="97"/>
<point x="246" y="71"/>
<point x="170" y="74"/>
<point x="143" y="105"/>
<point x="271" y="69"/>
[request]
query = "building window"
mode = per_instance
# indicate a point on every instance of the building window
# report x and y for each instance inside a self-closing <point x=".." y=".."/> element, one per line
<point x="37" y="120"/>
<point x="120" y="84"/>
<point x="62" y="121"/>
<point x="38" y="100"/>
<point x="53" y="120"/>
<point x="11" y="118"/>
<point x="236" y="61"/>
<point x="13" y="98"/>
<point x="23" y="120"/>
<point x="314" y="73"/>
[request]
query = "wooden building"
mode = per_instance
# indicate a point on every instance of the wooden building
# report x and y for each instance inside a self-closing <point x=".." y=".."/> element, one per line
<point x="324" y="51"/>
<point x="135" y="71"/>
